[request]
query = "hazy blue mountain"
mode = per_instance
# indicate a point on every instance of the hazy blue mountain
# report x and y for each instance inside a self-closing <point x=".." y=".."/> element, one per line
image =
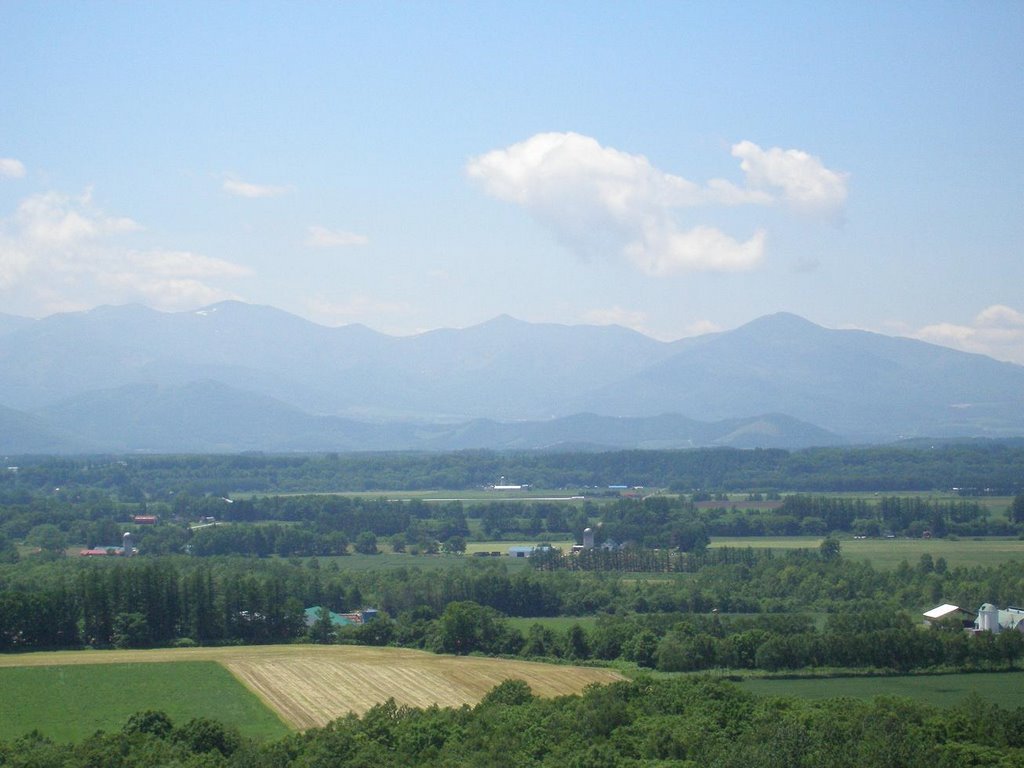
<point x="11" y="322"/>
<point x="208" y="416"/>
<point x="251" y="347"/>
<point x="588" y="431"/>
<point x="509" y="369"/>
<point x="502" y="368"/>
<point x="860" y="384"/>
<point x="23" y="433"/>
<point x="249" y="376"/>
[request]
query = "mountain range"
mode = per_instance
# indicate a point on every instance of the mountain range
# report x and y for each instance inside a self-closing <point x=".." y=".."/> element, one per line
<point x="234" y="377"/>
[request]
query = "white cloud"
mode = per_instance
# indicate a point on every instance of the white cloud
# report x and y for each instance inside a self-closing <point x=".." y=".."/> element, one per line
<point x="997" y="331"/>
<point x="665" y="251"/>
<point x="61" y="251"/>
<point x="802" y="179"/>
<point x="322" y="237"/>
<point x="11" y="168"/>
<point x="597" y="199"/>
<point x="52" y="219"/>
<point x="241" y="188"/>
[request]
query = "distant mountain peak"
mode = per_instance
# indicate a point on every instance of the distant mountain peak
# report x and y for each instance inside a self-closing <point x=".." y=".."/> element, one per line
<point x="785" y="321"/>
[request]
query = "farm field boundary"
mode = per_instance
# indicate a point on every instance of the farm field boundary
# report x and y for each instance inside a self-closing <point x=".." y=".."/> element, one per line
<point x="310" y="685"/>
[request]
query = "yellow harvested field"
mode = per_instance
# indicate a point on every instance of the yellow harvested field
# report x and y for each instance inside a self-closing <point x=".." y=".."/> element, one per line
<point x="310" y="685"/>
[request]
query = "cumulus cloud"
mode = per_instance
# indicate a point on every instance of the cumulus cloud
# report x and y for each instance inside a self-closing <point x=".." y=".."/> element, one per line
<point x="11" y="168"/>
<point x="61" y="251"/>
<point x="802" y="179"/>
<point x="595" y="199"/>
<point x="241" y="188"/>
<point x="997" y="331"/>
<point x="322" y="237"/>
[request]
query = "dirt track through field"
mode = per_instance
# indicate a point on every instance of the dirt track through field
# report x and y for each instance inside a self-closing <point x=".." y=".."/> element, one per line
<point x="312" y="685"/>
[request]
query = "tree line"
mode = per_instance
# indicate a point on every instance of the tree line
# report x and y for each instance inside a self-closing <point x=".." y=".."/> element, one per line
<point x="975" y="468"/>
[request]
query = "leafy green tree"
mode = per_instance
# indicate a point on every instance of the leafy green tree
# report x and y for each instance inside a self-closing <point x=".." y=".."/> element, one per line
<point x="151" y="721"/>
<point x="8" y="552"/>
<point x="455" y="545"/>
<point x="204" y="735"/>
<point x="830" y="549"/>
<point x="131" y="630"/>
<point x="323" y="630"/>
<point x="366" y="543"/>
<point x="509" y="693"/>
<point x="576" y="643"/>
<point x="465" y="627"/>
<point x="540" y="641"/>
<point x="1017" y="508"/>
<point x="641" y="648"/>
<point x="49" y="538"/>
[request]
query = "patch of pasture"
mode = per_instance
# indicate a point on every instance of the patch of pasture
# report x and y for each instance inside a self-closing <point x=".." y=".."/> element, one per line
<point x="1003" y="688"/>
<point x="69" y="702"/>
<point x="888" y="553"/>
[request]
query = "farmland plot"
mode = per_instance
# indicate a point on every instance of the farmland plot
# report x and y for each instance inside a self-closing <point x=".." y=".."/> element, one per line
<point x="311" y="685"/>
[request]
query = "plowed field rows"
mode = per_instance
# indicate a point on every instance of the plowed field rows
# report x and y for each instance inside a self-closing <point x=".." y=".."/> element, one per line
<point x="311" y="685"/>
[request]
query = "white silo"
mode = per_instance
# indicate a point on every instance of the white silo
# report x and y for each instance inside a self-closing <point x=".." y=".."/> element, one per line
<point x="588" y="538"/>
<point x="988" y="619"/>
<point x="127" y="544"/>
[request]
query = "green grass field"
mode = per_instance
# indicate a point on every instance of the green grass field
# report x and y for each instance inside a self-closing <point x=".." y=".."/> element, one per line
<point x="68" y="703"/>
<point x="887" y="553"/>
<point x="1003" y="688"/>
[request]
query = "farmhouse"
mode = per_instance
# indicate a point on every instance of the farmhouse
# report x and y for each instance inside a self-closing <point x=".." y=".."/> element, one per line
<point x="995" y="620"/>
<point x="340" y="619"/>
<point x="126" y="549"/>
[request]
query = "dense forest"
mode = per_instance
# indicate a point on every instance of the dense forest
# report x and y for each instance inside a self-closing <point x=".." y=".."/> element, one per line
<point x="681" y="722"/>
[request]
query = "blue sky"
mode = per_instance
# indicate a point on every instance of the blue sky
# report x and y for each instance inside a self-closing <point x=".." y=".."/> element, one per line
<point x="672" y="167"/>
